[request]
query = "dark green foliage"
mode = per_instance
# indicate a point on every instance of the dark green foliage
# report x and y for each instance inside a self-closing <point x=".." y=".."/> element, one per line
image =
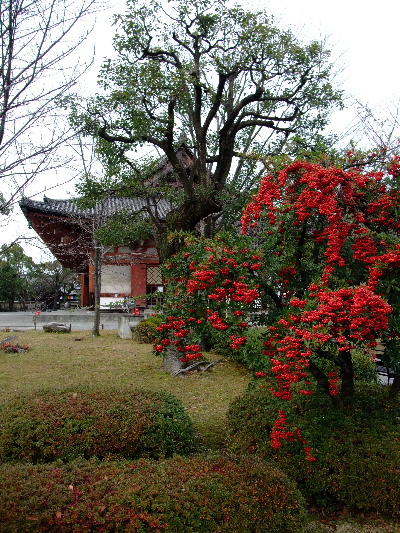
<point x="215" y="89"/>
<point x="124" y="229"/>
<point x="251" y="353"/>
<point x="198" y="495"/>
<point x="48" y="281"/>
<point x="65" y="424"/>
<point x="14" y="265"/>
<point x="357" y="449"/>
<point x="146" y="331"/>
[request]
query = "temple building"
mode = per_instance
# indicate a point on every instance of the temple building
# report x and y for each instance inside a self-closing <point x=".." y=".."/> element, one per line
<point x="127" y="274"/>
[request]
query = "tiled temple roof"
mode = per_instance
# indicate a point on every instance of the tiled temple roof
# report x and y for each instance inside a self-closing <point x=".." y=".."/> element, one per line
<point x="107" y="207"/>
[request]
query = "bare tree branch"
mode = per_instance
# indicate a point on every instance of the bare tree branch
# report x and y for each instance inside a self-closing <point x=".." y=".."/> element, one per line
<point x="37" y="42"/>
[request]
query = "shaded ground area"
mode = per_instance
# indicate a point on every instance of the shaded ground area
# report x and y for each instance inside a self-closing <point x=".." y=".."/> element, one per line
<point x="352" y="526"/>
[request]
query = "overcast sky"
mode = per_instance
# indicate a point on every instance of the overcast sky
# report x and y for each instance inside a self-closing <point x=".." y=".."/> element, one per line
<point x="363" y="35"/>
<point x="364" y="44"/>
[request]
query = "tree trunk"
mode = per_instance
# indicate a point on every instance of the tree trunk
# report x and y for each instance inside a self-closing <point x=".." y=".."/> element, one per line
<point x="55" y="301"/>
<point x="323" y="382"/>
<point x="395" y="387"/>
<point x="347" y="375"/>
<point x="97" y="289"/>
<point x="182" y="218"/>
<point x="171" y="361"/>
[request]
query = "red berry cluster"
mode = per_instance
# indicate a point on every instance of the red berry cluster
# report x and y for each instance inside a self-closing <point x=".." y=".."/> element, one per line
<point x="353" y="218"/>
<point x="281" y="432"/>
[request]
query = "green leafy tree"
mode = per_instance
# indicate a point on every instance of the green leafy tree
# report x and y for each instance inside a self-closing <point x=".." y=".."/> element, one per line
<point x="225" y="83"/>
<point x="14" y="267"/>
<point x="50" y="280"/>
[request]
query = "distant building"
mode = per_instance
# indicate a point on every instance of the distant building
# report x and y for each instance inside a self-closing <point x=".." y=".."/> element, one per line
<point x="126" y="273"/>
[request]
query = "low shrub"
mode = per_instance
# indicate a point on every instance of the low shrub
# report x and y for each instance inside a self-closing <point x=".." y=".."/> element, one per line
<point x="357" y="450"/>
<point x="146" y="331"/>
<point x="83" y="422"/>
<point x="198" y="495"/>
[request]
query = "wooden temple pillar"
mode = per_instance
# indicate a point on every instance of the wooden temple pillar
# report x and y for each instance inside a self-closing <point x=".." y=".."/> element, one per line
<point x="85" y="299"/>
<point x="139" y="283"/>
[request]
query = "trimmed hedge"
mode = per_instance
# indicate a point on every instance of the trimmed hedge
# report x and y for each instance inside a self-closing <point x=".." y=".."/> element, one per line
<point x="81" y="422"/>
<point x="146" y="331"/>
<point x="357" y="450"/>
<point x="197" y="495"/>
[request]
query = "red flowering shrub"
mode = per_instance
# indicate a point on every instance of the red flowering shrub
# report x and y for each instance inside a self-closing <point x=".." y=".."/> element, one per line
<point x="211" y="286"/>
<point x="9" y="347"/>
<point x="337" y="233"/>
<point x="322" y="254"/>
<point x="82" y="422"/>
<point x="201" y="494"/>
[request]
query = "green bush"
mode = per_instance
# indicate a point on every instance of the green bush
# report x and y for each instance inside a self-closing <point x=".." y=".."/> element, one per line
<point x="197" y="495"/>
<point x="83" y="422"/>
<point x="146" y="331"/>
<point x="251" y="353"/>
<point x="357" y="450"/>
<point x="364" y="367"/>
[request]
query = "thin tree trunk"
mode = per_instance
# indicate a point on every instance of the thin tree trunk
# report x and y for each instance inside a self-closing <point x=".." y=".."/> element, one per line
<point x="323" y="382"/>
<point x="55" y="301"/>
<point x="347" y="375"/>
<point x="97" y="288"/>
<point x="395" y="387"/>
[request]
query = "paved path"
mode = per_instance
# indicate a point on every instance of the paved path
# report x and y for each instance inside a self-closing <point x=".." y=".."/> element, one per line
<point x="79" y="320"/>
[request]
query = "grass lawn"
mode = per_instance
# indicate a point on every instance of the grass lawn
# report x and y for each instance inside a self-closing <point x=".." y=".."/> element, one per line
<point x="77" y="358"/>
<point x="60" y="360"/>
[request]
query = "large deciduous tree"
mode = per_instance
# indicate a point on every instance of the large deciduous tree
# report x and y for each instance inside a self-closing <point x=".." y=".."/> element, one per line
<point x="37" y="41"/>
<point x="226" y="83"/>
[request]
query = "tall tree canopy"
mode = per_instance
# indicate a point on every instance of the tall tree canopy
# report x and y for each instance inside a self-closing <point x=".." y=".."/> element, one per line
<point x="225" y="82"/>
